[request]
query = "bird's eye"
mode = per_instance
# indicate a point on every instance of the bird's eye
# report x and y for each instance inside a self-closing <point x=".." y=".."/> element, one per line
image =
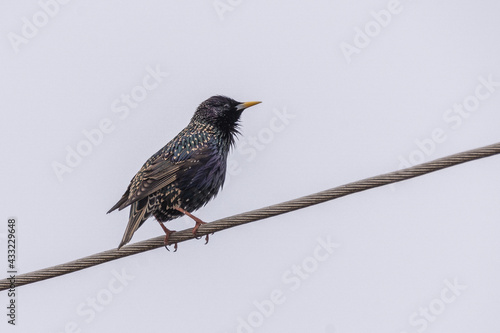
<point x="226" y="106"/>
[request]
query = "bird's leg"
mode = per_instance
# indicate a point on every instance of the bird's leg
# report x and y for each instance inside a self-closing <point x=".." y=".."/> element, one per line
<point x="167" y="236"/>
<point x="197" y="220"/>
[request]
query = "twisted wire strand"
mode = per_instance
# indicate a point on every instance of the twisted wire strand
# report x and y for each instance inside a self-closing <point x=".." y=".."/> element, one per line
<point x="255" y="215"/>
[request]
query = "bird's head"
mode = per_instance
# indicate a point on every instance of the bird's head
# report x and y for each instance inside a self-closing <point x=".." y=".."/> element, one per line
<point x="221" y="112"/>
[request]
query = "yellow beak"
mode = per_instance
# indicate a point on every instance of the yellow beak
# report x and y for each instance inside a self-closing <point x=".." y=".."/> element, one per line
<point x="245" y="105"/>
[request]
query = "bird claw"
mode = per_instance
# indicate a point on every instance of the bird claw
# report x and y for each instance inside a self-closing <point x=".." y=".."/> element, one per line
<point x="206" y="237"/>
<point x="175" y="247"/>
<point x="167" y="236"/>
<point x="165" y="242"/>
<point x="195" y="230"/>
<point x="198" y="223"/>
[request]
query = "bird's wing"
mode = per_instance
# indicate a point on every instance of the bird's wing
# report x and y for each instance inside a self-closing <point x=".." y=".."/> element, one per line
<point x="160" y="172"/>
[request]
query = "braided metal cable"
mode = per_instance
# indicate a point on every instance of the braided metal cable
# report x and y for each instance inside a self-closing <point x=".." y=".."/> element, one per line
<point x="254" y="215"/>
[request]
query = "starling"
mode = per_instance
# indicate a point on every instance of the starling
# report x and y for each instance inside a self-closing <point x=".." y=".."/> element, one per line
<point x="188" y="172"/>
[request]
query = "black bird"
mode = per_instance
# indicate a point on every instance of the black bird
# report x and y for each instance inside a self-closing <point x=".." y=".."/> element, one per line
<point x="188" y="172"/>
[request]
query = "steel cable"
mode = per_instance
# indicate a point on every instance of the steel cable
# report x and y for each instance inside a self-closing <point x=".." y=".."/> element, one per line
<point x="255" y="215"/>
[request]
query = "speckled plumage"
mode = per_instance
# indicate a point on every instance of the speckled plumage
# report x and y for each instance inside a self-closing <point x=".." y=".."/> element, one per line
<point x="188" y="171"/>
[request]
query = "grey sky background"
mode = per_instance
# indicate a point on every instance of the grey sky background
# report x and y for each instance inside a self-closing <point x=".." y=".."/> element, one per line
<point x="349" y="91"/>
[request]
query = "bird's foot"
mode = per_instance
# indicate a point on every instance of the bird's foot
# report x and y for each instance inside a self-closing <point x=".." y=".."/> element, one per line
<point x="198" y="223"/>
<point x="167" y="236"/>
<point x="195" y="229"/>
<point x="166" y="244"/>
<point x="206" y="237"/>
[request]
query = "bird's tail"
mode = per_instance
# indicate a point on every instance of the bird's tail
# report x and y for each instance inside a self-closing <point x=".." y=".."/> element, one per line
<point x="139" y="212"/>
